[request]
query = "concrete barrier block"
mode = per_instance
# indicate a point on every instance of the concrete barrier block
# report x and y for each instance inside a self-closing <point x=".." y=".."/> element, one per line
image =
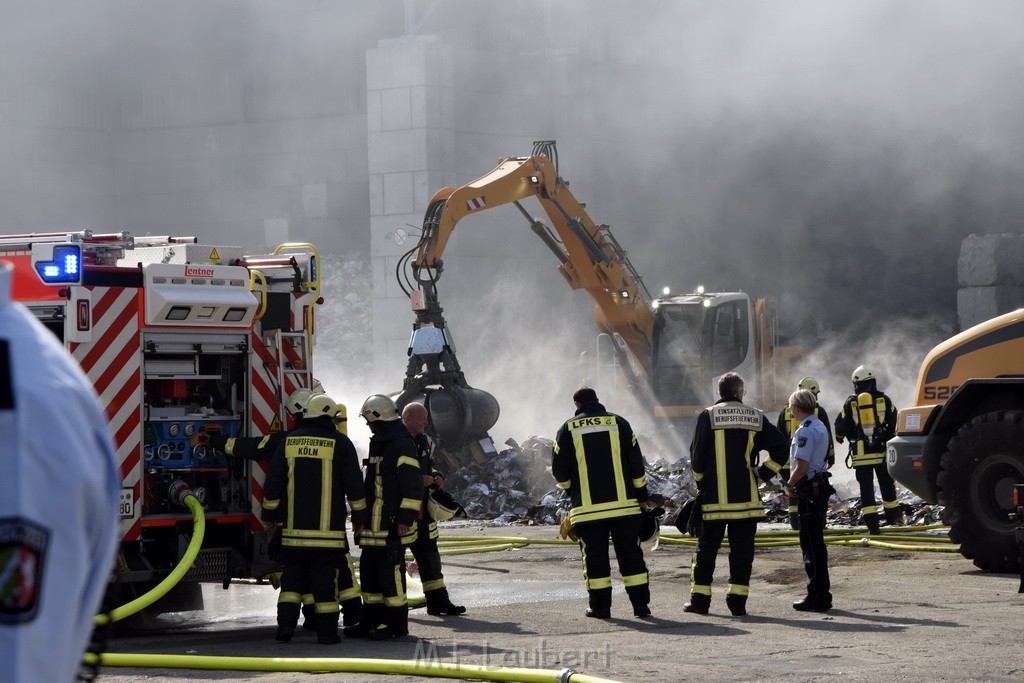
<point x="990" y="260"/>
<point x="975" y="305"/>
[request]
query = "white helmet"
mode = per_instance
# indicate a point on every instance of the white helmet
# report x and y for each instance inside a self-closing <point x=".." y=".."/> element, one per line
<point x="441" y="511"/>
<point x="318" y="387"/>
<point x="650" y="528"/>
<point x="810" y="384"/>
<point x="296" y="401"/>
<point x="379" y="408"/>
<point x="862" y="373"/>
<point x="320" y="405"/>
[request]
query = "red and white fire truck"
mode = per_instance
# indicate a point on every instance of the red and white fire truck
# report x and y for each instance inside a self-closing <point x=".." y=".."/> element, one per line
<point x="181" y="341"/>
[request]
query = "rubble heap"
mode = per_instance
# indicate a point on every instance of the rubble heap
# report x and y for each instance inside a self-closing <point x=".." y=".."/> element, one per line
<point x="516" y="487"/>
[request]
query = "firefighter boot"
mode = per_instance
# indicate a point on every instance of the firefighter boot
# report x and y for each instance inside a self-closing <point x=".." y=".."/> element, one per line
<point x="894" y="516"/>
<point x="308" y="614"/>
<point x="439" y="604"/>
<point x="352" y="611"/>
<point x="737" y="604"/>
<point x="699" y="604"/>
<point x="287" y="619"/>
<point x="871" y="522"/>
<point x="640" y="597"/>
<point x="600" y="604"/>
<point x="372" y="617"/>
<point x="396" y="624"/>
<point x="327" y="628"/>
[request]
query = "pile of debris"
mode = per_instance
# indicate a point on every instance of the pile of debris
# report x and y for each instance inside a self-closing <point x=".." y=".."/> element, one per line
<point x="516" y="487"/>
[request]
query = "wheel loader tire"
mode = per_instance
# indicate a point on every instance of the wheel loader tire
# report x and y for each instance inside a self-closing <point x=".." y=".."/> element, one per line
<point x="976" y="476"/>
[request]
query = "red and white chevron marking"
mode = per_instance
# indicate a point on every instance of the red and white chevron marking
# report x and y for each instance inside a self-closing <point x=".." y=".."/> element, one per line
<point x="113" y="362"/>
<point x="476" y="203"/>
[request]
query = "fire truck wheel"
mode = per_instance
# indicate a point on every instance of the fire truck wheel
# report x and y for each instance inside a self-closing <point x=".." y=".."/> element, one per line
<point x="975" y="481"/>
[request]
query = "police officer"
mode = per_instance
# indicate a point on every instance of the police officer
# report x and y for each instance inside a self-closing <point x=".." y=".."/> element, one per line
<point x="787" y="424"/>
<point x="598" y="461"/>
<point x="808" y="485"/>
<point x="868" y="420"/>
<point x="394" y="493"/>
<point x="59" y="489"/>
<point x="312" y="472"/>
<point x="726" y="442"/>
<point x="424" y="550"/>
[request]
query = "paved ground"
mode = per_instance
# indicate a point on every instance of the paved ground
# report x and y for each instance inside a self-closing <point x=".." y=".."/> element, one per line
<point x="898" y="616"/>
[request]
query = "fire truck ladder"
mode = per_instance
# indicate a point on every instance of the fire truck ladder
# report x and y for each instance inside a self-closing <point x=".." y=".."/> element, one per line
<point x="296" y="370"/>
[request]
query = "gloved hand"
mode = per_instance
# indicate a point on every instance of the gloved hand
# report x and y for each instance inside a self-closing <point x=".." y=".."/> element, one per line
<point x="765" y="473"/>
<point x="830" y="460"/>
<point x="218" y="442"/>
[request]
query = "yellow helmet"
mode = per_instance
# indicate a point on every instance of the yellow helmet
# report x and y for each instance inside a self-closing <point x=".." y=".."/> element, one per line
<point x="810" y="384"/>
<point x="379" y="407"/>
<point x="441" y="506"/>
<point x="862" y="373"/>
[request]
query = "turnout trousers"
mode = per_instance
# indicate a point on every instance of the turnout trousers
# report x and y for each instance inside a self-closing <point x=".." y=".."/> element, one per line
<point x="812" y="543"/>
<point x="314" y="570"/>
<point x="741" y="559"/>
<point x="382" y="575"/>
<point x="625" y="535"/>
<point x="868" y="508"/>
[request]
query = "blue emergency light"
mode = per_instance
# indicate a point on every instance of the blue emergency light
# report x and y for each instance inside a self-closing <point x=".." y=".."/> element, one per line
<point x="65" y="268"/>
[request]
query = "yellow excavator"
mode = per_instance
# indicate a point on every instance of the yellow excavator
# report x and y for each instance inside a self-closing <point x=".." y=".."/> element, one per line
<point x="672" y="349"/>
<point x="962" y="442"/>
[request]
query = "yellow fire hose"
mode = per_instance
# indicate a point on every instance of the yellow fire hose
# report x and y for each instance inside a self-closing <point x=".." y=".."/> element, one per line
<point x="345" y="665"/>
<point x="449" y="545"/>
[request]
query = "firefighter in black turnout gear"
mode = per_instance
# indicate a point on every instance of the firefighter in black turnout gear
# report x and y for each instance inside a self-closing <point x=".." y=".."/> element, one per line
<point x="868" y="420"/>
<point x="724" y="453"/>
<point x="261" y="448"/>
<point x="597" y="459"/>
<point x="312" y="472"/>
<point x="424" y="550"/>
<point x="808" y="484"/>
<point x="788" y="425"/>
<point x="394" y="492"/>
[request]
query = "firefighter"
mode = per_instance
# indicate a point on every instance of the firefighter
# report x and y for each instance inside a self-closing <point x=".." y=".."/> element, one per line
<point x="394" y="493"/>
<point x="868" y="420"/>
<point x="598" y="461"/>
<point x="787" y="424"/>
<point x="726" y="444"/>
<point x="59" y="489"/>
<point x="808" y="484"/>
<point x="260" y="448"/>
<point x="424" y="550"/>
<point x="312" y="472"/>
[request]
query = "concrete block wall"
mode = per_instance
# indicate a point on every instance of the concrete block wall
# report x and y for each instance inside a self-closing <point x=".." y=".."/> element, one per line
<point x="990" y="271"/>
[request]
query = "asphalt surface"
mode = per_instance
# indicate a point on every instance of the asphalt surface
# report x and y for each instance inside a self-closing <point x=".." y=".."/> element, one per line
<point x="898" y="616"/>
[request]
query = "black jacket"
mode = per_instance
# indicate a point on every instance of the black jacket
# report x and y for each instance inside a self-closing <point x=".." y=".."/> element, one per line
<point x="613" y="481"/>
<point x="311" y="473"/>
<point x="740" y="432"/>
<point x="393" y="484"/>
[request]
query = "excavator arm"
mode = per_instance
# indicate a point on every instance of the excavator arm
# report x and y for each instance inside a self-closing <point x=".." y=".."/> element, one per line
<point x="589" y="258"/>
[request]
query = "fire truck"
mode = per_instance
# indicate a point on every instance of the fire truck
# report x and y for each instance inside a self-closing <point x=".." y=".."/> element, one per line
<point x="181" y="341"/>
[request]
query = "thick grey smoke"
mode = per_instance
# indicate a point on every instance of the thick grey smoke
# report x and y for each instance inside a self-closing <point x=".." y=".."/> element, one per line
<point x="832" y="155"/>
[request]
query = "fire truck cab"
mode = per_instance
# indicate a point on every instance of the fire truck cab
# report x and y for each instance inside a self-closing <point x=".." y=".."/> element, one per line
<point x="181" y="341"/>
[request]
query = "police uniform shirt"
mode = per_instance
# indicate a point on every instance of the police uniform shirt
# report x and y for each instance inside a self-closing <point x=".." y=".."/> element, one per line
<point x="59" y="490"/>
<point x="810" y="444"/>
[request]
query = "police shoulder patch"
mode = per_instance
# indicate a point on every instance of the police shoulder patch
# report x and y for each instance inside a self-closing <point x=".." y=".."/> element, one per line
<point x="23" y="547"/>
<point x="802" y="441"/>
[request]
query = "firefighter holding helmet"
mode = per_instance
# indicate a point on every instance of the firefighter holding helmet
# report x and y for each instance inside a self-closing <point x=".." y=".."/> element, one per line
<point x="868" y="420"/>
<point x="787" y="424"/>
<point x="394" y="493"/>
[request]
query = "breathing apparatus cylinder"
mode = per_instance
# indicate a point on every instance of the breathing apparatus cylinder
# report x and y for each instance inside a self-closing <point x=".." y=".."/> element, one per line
<point x="866" y="412"/>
